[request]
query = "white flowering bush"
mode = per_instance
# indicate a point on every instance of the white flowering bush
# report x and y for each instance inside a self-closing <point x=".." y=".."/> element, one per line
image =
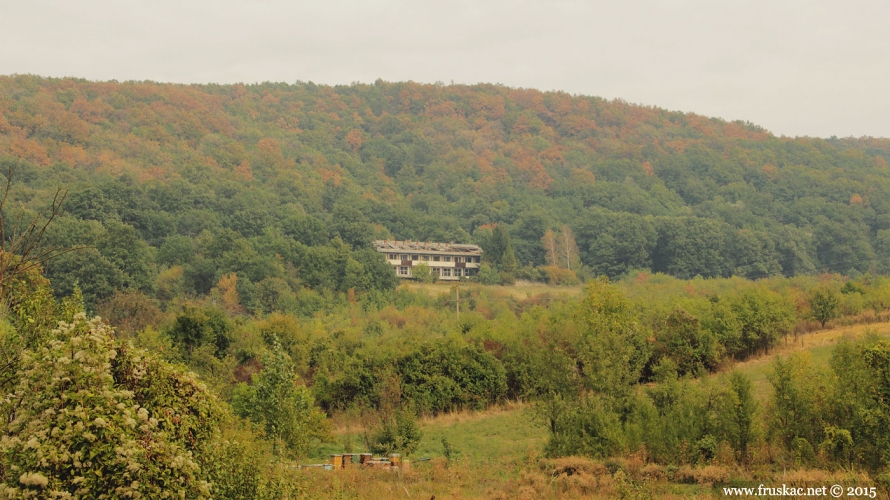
<point x="90" y="418"/>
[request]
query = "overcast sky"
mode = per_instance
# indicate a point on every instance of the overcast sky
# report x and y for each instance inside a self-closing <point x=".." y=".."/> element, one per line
<point x="795" y="67"/>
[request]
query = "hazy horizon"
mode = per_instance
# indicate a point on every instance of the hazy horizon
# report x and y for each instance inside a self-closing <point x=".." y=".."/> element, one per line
<point x="795" y="68"/>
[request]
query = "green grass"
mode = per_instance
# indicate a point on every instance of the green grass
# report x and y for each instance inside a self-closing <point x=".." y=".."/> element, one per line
<point x="494" y="436"/>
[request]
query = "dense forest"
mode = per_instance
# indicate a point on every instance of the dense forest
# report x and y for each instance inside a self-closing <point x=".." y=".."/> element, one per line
<point x="284" y="186"/>
<point x="223" y="235"/>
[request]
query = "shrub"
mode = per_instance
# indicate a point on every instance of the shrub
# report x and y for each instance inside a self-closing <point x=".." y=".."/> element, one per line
<point x="397" y="432"/>
<point x="95" y="419"/>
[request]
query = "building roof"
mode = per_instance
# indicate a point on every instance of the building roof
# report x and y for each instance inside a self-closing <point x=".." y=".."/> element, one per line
<point x="421" y="246"/>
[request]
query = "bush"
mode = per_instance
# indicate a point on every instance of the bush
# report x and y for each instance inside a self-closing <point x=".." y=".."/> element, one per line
<point x="397" y="432"/>
<point x="560" y="277"/>
<point x="90" y="417"/>
<point x="423" y="273"/>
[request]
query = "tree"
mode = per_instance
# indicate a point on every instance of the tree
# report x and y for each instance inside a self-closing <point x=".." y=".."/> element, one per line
<point x="502" y="251"/>
<point x="568" y="250"/>
<point x="352" y="226"/>
<point x="285" y="410"/>
<point x="613" y="350"/>
<point x="740" y="406"/>
<point x="793" y="413"/>
<point x="194" y="328"/>
<point x="551" y="249"/>
<point x="824" y="304"/>
<point x="397" y="431"/>
<point x="21" y="247"/>
<point x="692" y="348"/>
<point x="423" y="273"/>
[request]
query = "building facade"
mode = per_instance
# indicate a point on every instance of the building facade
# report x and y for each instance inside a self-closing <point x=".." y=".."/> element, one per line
<point x="448" y="261"/>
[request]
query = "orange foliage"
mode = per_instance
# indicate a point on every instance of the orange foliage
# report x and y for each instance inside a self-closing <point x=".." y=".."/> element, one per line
<point x="577" y="125"/>
<point x="856" y="200"/>
<point x="440" y="109"/>
<point x="488" y="106"/>
<point x="244" y="172"/>
<point x="771" y="171"/>
<point x="152" y="174"/>
<point x="677" y="146"/>
<point x="327" y="174"/>
<point x="90" y="111"/>
<point x="553" y="154"/>
<point x="879" y="161"/>
<point x="270" y="154"/>
<point x="5" y="127"/>
<point x="647" y="167"/>
<point x="31" y="150"/>
<point x="532" y="171"/>
<point x="73" y="155"/>
<point x="354" y="139"/>
<point x="228" y="293"/>
<point x="521" y="126"/>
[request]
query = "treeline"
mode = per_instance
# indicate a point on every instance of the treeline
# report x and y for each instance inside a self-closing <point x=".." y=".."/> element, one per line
<point x="274" y="182"/>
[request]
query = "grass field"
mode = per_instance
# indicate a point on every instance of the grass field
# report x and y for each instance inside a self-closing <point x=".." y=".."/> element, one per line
<point x="498" y="435"/>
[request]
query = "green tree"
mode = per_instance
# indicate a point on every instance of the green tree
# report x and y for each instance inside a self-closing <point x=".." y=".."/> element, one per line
<point x="285" y="410"/>
<point x="794" y="412"/>
<point x="738" y="423"/>
<point x="824" y="304"/>
<point x="397" y="432"/>
<point x="692" y="348"/>
<point x="423" y="273"/>
<point x="613" y="348"/>
<point x="498" y="250"/>
<point x="194" y="328"/>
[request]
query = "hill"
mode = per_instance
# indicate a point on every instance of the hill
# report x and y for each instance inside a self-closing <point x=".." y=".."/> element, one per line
<point x="179" y="186"/>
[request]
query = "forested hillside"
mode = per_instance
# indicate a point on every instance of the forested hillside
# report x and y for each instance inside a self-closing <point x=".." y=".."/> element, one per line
<point x="271" y="193"/>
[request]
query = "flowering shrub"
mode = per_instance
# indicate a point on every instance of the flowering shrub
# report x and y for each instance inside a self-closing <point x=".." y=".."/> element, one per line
<point x="90" y="418"/>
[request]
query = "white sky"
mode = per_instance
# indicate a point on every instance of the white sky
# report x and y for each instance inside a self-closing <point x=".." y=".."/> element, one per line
<point x="795" y="67"/>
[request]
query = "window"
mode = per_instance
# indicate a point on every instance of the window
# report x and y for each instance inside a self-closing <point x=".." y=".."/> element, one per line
<point x="415" y="257"/>
<point x="435" y="258"/>
<point x="404" y="257"/>
<point x="425" y="258"/>
<point x="403" y="270"/>
<point x="458" y="259"/>
<point x="446" y="272"/>
<point x="393" y="256"/>
<point x="457" y="272"/>
<point x="447" y="258"/>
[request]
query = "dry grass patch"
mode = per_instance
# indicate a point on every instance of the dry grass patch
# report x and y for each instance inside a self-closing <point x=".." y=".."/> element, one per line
<point x="520" y="290"/>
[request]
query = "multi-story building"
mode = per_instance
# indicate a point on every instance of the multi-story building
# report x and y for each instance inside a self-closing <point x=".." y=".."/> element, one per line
<point x="449" y="261"/>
